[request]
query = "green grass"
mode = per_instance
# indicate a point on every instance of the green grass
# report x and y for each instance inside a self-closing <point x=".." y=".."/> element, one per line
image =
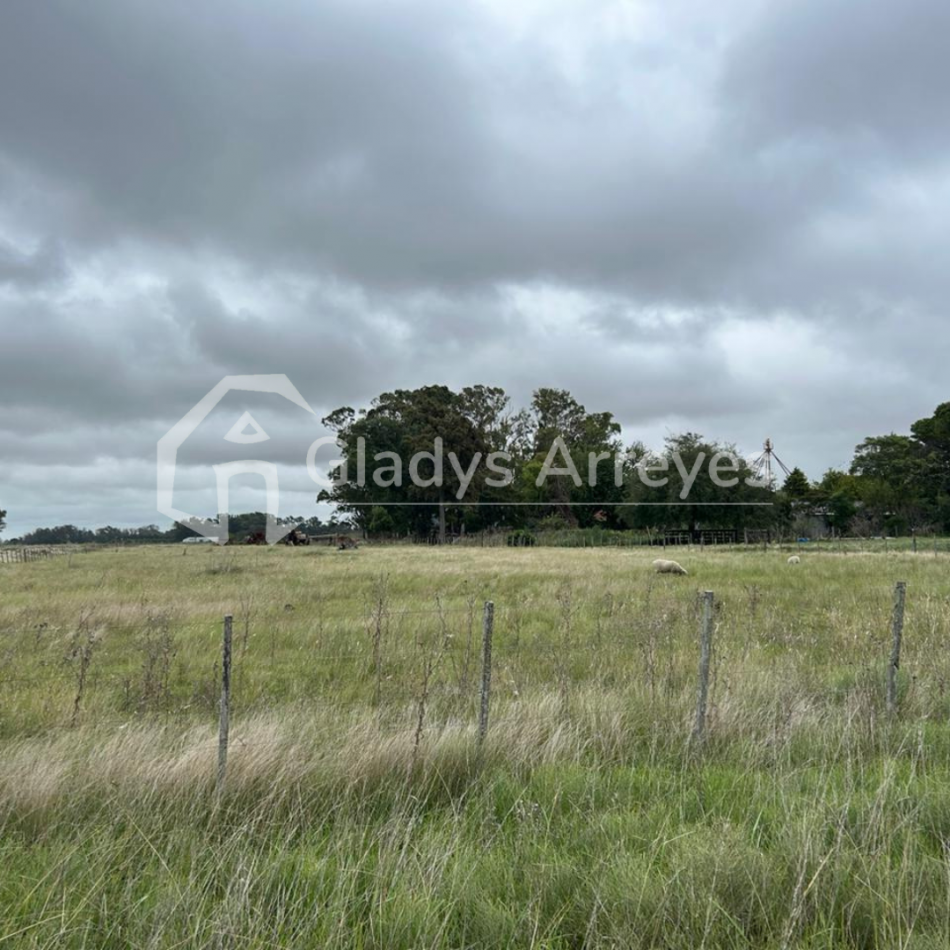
<point x="359" y="810"/>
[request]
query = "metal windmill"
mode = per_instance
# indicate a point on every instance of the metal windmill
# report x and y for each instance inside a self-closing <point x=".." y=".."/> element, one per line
<point x="762" y="466"/>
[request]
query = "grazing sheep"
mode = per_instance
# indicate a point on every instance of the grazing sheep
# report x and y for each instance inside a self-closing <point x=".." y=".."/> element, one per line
<point x="662" y="566"/>
<point x="794" y="559"/>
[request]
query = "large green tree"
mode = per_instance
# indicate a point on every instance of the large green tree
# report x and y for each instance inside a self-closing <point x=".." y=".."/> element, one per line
<point x="473" y="425"/>
<point x="933" y="435"/>
<point x="408" y="424"/>
<point x="563" y="435"/>
<point x="903" y="481"/>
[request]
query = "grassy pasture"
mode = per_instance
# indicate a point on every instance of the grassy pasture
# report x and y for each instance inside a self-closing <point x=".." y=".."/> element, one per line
<point x="359" y="812"/>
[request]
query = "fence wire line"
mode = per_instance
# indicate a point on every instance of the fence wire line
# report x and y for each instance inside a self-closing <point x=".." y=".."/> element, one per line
<point x="625" y="595"/>
<point x="631" y="617"/>
<point x="597" y="652"/>
<point x="626" y="613"/>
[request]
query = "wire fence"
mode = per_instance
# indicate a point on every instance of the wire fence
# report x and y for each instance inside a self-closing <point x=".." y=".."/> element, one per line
<point x="25" y="555"/>
<point x="101" y="667"/>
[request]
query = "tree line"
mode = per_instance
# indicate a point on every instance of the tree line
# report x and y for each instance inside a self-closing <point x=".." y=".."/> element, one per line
<point x="896" y="483"/>
<point x="241" y="527"/>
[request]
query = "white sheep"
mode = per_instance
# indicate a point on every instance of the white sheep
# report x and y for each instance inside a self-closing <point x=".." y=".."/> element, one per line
<point x="794" y="559"/>
<point x="662" y="566"/>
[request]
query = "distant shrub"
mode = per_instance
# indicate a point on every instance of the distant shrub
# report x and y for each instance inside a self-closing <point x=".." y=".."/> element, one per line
<point x="521" y="538"/>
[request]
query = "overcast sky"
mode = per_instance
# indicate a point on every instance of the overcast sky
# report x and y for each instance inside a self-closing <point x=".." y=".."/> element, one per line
<point x="730" y="217"/>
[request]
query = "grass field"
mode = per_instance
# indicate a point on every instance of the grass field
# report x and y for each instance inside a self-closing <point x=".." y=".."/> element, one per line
<point x="359" y="810"/>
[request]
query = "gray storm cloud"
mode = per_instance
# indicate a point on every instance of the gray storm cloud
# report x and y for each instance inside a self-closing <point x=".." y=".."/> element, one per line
<point x="724" y="217"/>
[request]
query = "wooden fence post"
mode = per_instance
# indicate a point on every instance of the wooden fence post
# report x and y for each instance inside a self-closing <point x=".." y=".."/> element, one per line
<point x="488" y="625"/>
<point x="225" y="716"/>
<point x="705" y="650"/>
<point x="897" y="631"/>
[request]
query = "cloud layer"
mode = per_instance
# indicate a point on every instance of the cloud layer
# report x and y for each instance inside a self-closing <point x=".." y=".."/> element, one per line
<point x="724" y="217"/>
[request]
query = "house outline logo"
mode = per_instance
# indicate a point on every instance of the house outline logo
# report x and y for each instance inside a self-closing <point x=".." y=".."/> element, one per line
<point x="169" y="444"/>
